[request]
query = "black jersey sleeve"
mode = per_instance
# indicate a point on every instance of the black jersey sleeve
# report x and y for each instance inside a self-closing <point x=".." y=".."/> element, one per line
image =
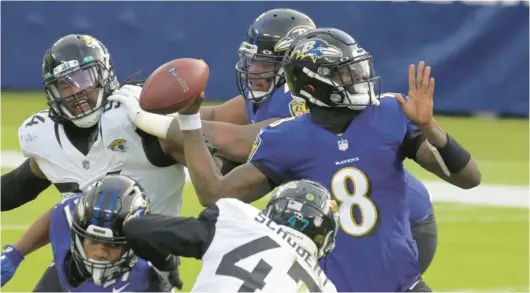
<point x="155" y="237"/>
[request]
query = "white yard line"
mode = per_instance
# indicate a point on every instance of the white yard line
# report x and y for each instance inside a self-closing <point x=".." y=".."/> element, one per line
<point x="491" y="195"/>
<point x="14" y="227"/>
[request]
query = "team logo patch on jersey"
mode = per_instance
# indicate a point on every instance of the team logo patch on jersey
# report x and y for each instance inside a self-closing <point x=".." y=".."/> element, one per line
<point x="255" y="147"/>
<point x="342" y="144"/>
<point x="118" y="145"/>
<point x="315" y="50"/>
<point x="298" y="108"/>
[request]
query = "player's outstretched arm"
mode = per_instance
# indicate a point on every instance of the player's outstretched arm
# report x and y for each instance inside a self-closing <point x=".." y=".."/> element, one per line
<point x="37" y="234"/>
<point x="446" y="158"/>
<point x="232" y="141"/>
<point x="155" y="237"/>
<point x="232" y="111"/>
<point x="34" y="238"/>
<point x="245" y="182"/>
<point x="22" y="185"/>
<point x="226" y="127"/>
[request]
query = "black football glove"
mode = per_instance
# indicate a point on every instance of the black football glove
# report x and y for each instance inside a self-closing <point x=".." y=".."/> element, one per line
<point x="170" y="277"/>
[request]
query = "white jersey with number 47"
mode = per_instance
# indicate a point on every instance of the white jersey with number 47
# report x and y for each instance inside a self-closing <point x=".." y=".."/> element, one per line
<point x="250" y="253"/>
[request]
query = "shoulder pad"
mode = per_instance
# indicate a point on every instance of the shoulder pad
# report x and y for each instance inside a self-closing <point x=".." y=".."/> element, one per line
<point x="69" y="199"/>
<point x="229" y="202"/>
<point x="392" y="95"/>
<point x="389" y="101"/>
<point x="70" y="196"/>
<point x="115" y="116"/>
<point x="287" y="133"/>
<point x="282" y="124"/>
<point x="274" y="133"/>
<point x="233" y="205"/>
<point x="36" y="121"/>
<point x="285" y="105"/>
<point x="285" y="129"/>
<point x="36" y="126"/>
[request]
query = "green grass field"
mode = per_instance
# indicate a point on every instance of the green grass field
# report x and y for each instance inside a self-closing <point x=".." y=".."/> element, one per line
<point x="481" y="248"/>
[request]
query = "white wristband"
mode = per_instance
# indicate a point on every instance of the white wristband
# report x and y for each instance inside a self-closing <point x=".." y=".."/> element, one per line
<point x="154" y="124"/>
<point x="190" y="122"/>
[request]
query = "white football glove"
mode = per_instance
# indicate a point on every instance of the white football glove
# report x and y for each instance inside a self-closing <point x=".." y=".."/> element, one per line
<point x="130" y="102"/>
<point x="129" y="96"/>
<point x="154" y="124"/>
<point x="129" y="90"/>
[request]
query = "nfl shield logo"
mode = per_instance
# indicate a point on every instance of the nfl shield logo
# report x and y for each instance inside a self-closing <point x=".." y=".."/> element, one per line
<point x="86" y="165"/>
<point x="343" y="144"/>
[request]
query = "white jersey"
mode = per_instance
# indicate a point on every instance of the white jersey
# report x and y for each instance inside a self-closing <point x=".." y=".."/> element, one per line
<point x="118" y="149"/>
<point x="250" y="253"/>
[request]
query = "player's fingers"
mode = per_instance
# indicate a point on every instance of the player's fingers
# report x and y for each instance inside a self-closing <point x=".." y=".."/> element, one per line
<point x="179" y="285"/>
<point x="121" y="92"/>
<point x="134" y="90"/>
<point x="412" y="78"/>
<point x="419" y="78"/>
<point x="128" y="92"/>
<point x="431" y="88"/>
<point x="117" y="98"/>
<point x="130" y="89"/>
<point x="200" y="99"/>
<point x="400" y="99"/>
<point x="426" y="79"/>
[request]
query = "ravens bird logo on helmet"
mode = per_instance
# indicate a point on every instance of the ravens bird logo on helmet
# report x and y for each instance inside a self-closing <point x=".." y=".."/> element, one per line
<point x="315" y="49"/>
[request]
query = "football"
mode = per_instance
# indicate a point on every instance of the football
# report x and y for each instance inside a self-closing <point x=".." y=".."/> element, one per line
<point x="174" y="86"/>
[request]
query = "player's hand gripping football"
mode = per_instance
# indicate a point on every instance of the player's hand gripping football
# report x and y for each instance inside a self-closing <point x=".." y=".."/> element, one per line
<point x="193" y="108"/>
<point x="128" y="96"/>
<point x="10" y="260"/>
<point x="419" y="106"/>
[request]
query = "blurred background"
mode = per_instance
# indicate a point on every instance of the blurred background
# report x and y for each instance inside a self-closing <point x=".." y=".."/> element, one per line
<point x="479" y="52"/>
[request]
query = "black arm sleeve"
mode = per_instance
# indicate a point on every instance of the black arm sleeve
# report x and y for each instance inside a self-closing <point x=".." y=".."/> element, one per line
<point x="411" y="144"/>
<point x="155" y="237"/>
<point x="21" y="186"/>
<point x="153" y="151"/>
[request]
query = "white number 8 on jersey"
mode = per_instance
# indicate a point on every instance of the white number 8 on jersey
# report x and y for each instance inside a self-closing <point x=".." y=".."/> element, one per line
<point x="359" y="198"/>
